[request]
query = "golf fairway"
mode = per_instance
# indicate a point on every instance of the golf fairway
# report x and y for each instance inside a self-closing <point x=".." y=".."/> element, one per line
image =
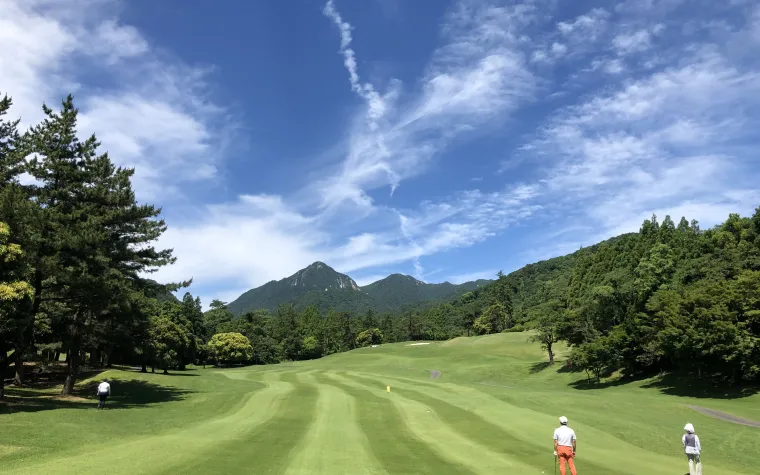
<point x="492" y="411"/>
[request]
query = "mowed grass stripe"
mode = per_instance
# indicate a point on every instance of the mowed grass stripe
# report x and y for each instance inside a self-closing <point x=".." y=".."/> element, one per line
<point x="267" y="447"/>
<point x="489" y="437"/>
<point x="394" y="445"/>
<point x="161" y="453"/>
<point x="599" y="452"/>
<point x="427" y="424"/>
<point x="334" y="444"/>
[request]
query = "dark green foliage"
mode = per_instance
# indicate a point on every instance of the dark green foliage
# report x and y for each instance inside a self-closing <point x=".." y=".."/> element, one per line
<point x="669" y="298"/>
<point x="288" y="332"/>
<point x="167" y="341"/>
<point x="217" y="316"/>
<point x="87" y="243"/>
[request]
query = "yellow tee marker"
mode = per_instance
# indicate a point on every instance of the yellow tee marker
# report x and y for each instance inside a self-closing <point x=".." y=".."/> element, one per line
<point x="387" y="389"/>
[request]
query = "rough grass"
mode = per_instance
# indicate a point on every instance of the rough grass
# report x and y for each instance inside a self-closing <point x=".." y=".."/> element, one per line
<point x="492" y="410"/>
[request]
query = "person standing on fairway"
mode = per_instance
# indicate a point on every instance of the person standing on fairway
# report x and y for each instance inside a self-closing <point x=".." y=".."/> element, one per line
<point x="691" y="446"/>
<point x="564" y="446"/>
<point x="104" y="390"/>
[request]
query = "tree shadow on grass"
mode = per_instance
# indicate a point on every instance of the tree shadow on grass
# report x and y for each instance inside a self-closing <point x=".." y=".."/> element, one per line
<point x="558" y="366"/>
<point x="586" y="384"/>
<point x="187" y="372"/>
<point x="127" y="394"/>
<point x="538" y="367"/>
<point x="676" y="384"/>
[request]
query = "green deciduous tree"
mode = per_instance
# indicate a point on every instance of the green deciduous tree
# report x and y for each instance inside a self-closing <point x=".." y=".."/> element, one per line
<point x="167" y="340"/>
<point x="548" y="326"/>
<point x="369" y="337"/>
<point x="229" y="348"/>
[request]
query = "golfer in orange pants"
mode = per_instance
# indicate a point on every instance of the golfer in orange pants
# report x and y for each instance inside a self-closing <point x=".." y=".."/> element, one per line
<point x="564" y="446"/>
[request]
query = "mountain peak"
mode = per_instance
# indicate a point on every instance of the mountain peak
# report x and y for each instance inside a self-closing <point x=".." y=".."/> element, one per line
<point x="403" y="278"/>
<point x="320" y="276"/>
<point x="318" y="265"/>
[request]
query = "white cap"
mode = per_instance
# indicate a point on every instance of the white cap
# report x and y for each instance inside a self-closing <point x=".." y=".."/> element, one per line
<point x="689" y="428"/>
<point x="563" y="420"/>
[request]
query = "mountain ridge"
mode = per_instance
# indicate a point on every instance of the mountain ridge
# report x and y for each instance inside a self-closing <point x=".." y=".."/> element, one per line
<point x="327" y="288"/>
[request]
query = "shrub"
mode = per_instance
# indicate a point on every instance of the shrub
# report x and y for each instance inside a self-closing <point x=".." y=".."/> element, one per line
<point x="229" y="348"/>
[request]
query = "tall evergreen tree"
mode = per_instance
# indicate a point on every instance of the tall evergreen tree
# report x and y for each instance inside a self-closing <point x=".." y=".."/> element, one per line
<point x="94" y="239"/>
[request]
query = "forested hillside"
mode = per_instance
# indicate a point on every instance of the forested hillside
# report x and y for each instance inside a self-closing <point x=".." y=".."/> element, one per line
<point x="315" y="284"/>
<point x="321" y="286"/>
<point x="398" y="290"/>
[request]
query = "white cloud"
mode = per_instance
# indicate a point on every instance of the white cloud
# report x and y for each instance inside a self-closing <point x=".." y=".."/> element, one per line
<point x="477" y="75"/>
<point x="589" y="25"/>
<point x="609" y="66"/>
<point x="249" y="242"/>
<point x="114" y="42"/>
<point x="259" y="238"/>
<point x="558" y="49"/>
<point x="664" y="143"/>
<point x="634" y="42"/>
<point x="148" y="111"/>
<point x="376" y="104"/>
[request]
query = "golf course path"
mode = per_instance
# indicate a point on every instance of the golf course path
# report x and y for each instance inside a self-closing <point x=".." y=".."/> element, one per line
<point x="724" y="416"/>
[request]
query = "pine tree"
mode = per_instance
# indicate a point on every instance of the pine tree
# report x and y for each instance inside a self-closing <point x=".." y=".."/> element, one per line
<point x="94" y="239"/>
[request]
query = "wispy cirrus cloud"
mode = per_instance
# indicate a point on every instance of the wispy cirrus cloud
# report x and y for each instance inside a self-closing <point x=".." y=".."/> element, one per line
<point x="477" y="74"/>
<point x="376" y="104"/>
<point x="667" y="143"/>
<point x="148" y="109"/>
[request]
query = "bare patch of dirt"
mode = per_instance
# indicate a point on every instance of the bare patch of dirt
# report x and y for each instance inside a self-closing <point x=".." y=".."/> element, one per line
<point x="724" y="416"/>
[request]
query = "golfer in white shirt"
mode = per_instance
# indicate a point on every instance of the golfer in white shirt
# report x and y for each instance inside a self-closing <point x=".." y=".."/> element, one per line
<point x="564" y="446"/>
<point x="104" y="390"/>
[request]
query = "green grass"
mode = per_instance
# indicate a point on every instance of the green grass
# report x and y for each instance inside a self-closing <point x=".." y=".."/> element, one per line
<point x="492" y="411"/>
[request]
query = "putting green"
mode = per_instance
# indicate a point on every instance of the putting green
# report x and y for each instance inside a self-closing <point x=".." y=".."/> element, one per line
<point x="492" y="410"/>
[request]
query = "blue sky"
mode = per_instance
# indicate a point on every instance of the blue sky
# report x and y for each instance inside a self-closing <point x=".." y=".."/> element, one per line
<point x="443" y="139"/>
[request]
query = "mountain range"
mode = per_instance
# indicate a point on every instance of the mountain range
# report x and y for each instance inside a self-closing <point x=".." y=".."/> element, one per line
<point x="321" y="285"/>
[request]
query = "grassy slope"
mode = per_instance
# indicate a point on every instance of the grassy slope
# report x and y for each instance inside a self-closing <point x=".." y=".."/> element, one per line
<point x="492" y="411"/>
